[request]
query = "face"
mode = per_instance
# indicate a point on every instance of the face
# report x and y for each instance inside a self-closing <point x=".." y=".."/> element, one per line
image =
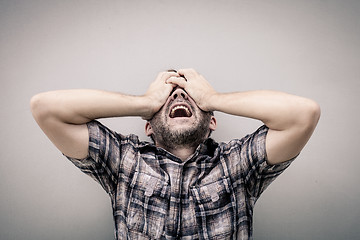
<point x="180" y="122"/>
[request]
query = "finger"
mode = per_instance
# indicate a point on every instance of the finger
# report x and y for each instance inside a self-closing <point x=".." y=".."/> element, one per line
<point x="188" y="73"/>
<point x="175" y="80"/>
<point x="168" y="75"/>
<point x="163" y="76"/>
<point x="179" y="81"/>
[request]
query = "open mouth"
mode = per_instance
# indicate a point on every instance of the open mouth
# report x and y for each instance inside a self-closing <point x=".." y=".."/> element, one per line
<point x="180" y="111"/>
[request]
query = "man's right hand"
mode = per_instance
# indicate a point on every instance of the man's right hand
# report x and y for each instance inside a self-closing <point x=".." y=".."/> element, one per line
<point x="159" y="91"/>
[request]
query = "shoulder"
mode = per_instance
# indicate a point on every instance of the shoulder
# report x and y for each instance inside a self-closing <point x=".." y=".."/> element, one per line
<point x="99" y="130"/>
<point x="255" y="139"/>
<point x="109" y="143"/>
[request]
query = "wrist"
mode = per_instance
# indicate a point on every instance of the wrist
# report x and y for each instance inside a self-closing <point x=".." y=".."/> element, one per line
<point x="148" y="107"/>
<point x="212" y="102"/>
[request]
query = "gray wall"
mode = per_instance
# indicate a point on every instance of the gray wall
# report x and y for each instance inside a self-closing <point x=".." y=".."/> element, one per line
<point x="307" y="48"/>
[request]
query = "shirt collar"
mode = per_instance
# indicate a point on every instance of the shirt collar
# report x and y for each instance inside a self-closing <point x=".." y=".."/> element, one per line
<point x="208" y="147"/>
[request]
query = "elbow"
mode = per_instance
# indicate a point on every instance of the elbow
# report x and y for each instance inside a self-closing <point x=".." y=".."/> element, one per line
<point x="311" y="115"/>
<point x="39" y="107"/>
<point x="314" y="112"/>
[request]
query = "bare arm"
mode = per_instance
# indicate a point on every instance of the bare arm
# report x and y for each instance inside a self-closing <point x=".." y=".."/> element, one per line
<point x="291" y="119"/>
<point x="63" y="115"/>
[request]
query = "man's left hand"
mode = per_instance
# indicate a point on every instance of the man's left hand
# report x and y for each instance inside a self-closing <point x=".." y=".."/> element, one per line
<point x="196" y="86"/>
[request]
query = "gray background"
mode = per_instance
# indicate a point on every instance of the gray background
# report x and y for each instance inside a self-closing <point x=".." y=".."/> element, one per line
<point x="307" y="48"/>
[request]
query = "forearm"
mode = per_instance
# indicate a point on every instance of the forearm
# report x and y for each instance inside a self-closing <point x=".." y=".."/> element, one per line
<point x="82" y="105"/>
<point x="62" y="115"/>
<point x="278" y="110"/>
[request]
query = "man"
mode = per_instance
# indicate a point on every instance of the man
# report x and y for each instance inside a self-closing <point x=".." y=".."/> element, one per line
<point x="184" y="185"/>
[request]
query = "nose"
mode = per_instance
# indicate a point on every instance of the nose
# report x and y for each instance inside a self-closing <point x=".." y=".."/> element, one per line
<point x="179" y="93"/>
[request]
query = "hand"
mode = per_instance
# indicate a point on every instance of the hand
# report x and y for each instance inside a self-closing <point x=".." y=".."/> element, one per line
<point x="159" y="91"/>
<point x="196" y="86"/>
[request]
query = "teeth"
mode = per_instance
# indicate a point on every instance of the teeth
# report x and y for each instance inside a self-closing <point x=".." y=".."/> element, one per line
<point x="180" y="107"/>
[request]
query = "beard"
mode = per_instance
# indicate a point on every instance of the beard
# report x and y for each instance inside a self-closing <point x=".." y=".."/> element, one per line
<point x="191" y="136"/>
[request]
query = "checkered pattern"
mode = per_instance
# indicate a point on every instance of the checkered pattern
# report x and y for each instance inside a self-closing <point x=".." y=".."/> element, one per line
<point x="157" y="196"/>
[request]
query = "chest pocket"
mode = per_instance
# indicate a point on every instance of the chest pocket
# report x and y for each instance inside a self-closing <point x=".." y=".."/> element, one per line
<point x="215" y="209"/>
<point x="148" y="205"/>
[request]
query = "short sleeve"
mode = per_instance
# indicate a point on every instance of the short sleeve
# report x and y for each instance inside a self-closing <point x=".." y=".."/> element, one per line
<point x="102" y="162"/>
<point x="256" y="171"/>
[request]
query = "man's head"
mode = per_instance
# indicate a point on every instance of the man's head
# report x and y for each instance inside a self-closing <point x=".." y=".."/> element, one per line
<point x="180" y="122"/>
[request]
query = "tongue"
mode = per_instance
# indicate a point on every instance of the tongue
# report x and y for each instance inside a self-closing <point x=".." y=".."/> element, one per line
<point x="179" y="113"/>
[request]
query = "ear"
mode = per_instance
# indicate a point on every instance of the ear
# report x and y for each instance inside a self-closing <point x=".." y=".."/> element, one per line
<point x="148" y="129"/>
<point x="212" y="125"/>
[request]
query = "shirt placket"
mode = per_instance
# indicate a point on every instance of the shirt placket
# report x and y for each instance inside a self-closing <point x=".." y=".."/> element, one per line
<point x="173" y="221"/>
<point x="180" y="184"/>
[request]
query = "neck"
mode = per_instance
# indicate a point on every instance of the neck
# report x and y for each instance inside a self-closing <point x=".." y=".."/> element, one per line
<point x="182" y="152"/>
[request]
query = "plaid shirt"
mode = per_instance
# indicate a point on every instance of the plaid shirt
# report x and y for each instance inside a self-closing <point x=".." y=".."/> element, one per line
<point x="155" y="195"/>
